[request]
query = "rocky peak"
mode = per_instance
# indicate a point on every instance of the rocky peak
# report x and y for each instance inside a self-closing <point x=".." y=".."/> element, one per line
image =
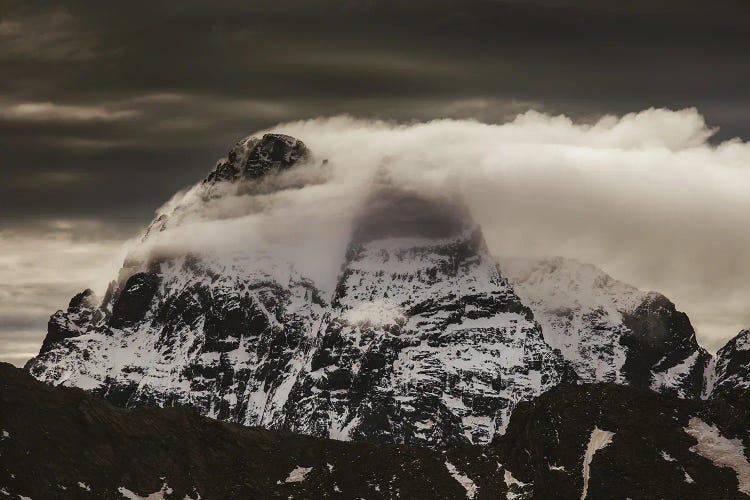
<point x="253" y="157"/>
<point x="87" y="299"/>
<point x="731" y="370"/>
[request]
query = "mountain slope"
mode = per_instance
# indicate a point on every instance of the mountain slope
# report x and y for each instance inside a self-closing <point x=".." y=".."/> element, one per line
<point x="609" y="331"/>
<point x="730" y="370"/>
<point x="425" y="342"/>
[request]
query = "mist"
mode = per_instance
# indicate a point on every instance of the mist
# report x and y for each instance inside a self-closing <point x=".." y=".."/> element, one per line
<point x="644" y="196"/>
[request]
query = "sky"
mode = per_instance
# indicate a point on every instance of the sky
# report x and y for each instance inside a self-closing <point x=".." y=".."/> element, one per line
<point x="108" y="109"/>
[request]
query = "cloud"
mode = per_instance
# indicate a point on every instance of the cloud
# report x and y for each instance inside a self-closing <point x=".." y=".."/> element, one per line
<point x="49" y="35"/>
<point x="41" y="268"/>
<point x="49" y="111"/>
<point x="645" y="196"/>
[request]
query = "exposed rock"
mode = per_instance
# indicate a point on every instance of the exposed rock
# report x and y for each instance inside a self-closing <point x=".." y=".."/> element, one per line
<point x="651" y="449"/>
<point x="254" y="157"/>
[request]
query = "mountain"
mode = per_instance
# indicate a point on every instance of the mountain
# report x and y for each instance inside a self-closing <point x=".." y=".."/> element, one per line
<point x="610" y="331"/>
<point x="224" y="334"/>
<point x="730" y="369"/>
<point x="573" y="442"/>
<point x="425" y="342"/>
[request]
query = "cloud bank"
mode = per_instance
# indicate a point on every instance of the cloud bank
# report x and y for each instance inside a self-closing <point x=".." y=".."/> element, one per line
<point x="645" y="196"/>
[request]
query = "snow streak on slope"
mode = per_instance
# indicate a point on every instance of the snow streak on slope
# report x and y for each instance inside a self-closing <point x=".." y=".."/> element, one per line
<point x="598" y="440"/>
<point x="721" y="451"/>
<point x="463" y="480"/>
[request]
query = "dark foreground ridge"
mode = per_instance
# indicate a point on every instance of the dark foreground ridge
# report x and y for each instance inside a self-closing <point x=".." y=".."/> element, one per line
<point x="65" y="443"/>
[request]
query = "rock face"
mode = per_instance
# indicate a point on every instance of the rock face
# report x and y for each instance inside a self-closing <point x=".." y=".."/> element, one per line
<point x="609" y="331"/>
<point x="730" y="370"/>
<point x="425" y="342"/>
<point x="615" y="441"/>
<point x="253" y="157"/>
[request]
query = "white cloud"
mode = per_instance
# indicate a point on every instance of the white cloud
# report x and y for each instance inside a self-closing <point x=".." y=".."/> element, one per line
<point x="49" y="111"/>
<point x="645" y="196"/>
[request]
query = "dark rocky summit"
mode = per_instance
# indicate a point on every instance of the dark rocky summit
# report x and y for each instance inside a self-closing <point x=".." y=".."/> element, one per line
<point x="253" y="157"/>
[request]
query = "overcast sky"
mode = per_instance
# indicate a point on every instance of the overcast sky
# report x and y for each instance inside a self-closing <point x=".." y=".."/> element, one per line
<point x="108" y="108"/>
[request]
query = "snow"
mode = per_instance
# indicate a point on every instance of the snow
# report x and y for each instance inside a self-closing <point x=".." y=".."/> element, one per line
<point x="5" y="435"/>
<point x="723" y="452"/>
<point x="688" y="479"/>
<point x="673" y="377"/>
<point x="376" y="313"/>
<point x="84" y="486"/>
<point x="511" y="483"/>
<point x="298" y="474"/>
<point x="666" y="456"/>
<point x="463" y="480"/>
<point x="580" y="310"/>
<point x="599" y="439"/>
<point x="158" y="495"/>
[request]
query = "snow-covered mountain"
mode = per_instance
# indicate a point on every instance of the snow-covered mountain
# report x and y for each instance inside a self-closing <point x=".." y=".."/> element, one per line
<point x="424" y="340"/>
<point x="730" y="369"/>
<point x="610" y="331"/>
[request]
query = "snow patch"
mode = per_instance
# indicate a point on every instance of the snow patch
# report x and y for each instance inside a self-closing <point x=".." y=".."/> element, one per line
<point x="510" y="482"/>
<point x="666" y="456"/>
<point x="468" y="484"/>
<point x="721" y="451"/>
<point x="375" y="313"/>
<point x="157" y="495"/>
<point x="5" y="435"/>
<point x="598" y="440"/>
<point x="297" y="475"/>
<point x="84" y="486"/>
